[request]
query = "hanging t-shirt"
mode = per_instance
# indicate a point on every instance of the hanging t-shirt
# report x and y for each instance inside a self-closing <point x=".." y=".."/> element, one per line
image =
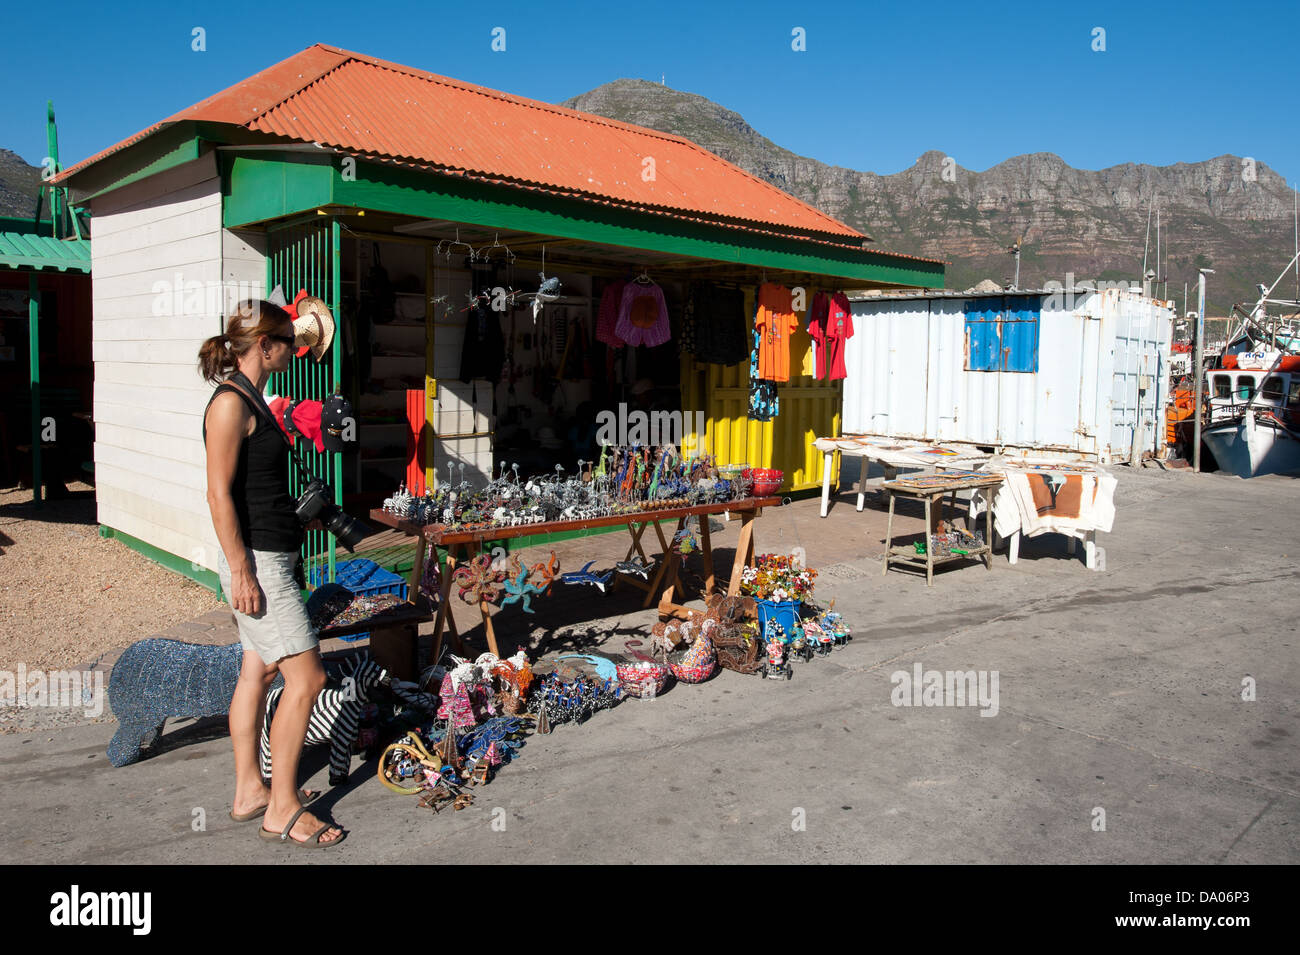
<point x="643" y="315"/>
<point x="775" y="320"/>
<point x="817" y="331"/>
<point x="839" y="329"/>
<point x="687" y="340"/>
<point x="607" y="318"/>
<point x="577" y="358"/>
<point x="764" y="405"/>
<point x="721" y="337"/>
<point x="483" y="351"/>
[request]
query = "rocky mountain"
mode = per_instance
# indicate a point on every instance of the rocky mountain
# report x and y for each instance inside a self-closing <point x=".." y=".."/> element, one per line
<point x="1229" y="213"/>
<point x="19" y="184"/>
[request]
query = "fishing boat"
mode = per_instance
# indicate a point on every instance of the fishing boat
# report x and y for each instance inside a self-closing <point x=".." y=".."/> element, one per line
<point x="1253" y="422"/>
<point x="1255" y="413"/>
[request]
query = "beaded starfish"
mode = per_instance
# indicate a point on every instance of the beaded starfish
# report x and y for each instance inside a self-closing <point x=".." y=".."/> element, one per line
<point x="519" y="588"/>
<point x="478" y="581"/>
<point x="543" y="575"/>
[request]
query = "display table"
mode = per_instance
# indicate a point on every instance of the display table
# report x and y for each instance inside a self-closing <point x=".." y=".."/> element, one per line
<point x="929" y="488"/>
<point x="1041" y="496"/>
<point x="461" y="546"/>
<point x="394" y="636"/>
<point x="892" y="455"/>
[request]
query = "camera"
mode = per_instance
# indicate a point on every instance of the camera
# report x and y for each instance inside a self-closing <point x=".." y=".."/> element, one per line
<point x="315" y="503"/>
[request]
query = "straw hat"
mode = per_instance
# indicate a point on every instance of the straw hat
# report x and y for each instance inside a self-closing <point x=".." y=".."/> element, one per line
<point x="313" y="329"/>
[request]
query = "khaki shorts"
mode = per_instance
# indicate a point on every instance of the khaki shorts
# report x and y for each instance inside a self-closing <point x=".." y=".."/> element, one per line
<point x="281" y="629"/>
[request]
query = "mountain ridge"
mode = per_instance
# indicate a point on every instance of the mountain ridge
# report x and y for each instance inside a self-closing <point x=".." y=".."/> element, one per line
<point x="1228" y="212"/>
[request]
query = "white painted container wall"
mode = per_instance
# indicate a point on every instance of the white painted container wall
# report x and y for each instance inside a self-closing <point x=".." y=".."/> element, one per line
<point x="148" y="237"/>
<point x="1103" y="367"/>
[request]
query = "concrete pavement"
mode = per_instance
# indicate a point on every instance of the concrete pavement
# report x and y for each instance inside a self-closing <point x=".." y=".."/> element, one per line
<point x="1118" y="692"/>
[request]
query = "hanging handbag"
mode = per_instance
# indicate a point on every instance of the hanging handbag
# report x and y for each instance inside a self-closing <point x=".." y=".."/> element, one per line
<point x="379" y="299"/>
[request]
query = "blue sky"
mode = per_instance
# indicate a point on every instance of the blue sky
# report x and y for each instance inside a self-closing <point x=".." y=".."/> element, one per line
<point x="877" y="85"/>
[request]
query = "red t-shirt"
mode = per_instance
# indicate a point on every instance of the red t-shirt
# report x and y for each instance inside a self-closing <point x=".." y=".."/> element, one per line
<point x="817" y="330"/>
<point x="839" y="329"/>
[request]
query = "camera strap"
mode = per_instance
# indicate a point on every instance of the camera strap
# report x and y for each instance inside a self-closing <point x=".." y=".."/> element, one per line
<point x="262" y="411"/>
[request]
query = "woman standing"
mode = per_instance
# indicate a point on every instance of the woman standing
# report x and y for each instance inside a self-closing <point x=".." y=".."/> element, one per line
<point x="260" y="569"/>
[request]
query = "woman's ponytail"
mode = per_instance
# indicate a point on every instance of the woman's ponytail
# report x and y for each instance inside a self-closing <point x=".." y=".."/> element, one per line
<point x="216" y="360"/>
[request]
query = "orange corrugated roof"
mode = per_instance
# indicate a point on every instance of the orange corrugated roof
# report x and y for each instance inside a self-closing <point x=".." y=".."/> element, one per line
<point x="384" y="110"/>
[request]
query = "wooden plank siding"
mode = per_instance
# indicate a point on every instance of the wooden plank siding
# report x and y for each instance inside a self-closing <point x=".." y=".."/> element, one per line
<point x="150" y="239"/>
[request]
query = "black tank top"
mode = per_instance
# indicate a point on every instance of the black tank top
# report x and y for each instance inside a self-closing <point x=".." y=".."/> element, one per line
<point x="261" y="487"/>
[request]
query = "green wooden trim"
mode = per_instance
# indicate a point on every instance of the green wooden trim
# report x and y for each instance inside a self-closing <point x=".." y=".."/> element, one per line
<point x="180" y="565"/>
<point x="265" y="185"/>
<point x="155" y="154"/>
<point x="34" y="357"/>
<point x="270" y="185"/>
<point x="26" y="225"/>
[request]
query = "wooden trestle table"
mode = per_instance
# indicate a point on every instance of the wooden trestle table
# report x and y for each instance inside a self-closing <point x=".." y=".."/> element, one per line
<point x="462" y="546"/>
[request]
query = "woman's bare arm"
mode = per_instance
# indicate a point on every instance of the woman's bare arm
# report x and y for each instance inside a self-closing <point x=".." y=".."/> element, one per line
<point x="227" y="421"/>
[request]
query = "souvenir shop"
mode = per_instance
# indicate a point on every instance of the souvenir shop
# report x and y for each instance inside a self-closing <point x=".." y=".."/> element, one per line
<point x="495" y="272"/>
<point x="531" y="358"/>
<point x="410" y="237"/>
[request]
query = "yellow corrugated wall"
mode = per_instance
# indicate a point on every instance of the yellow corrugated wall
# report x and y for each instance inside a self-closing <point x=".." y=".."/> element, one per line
<point x="809" y="409"/>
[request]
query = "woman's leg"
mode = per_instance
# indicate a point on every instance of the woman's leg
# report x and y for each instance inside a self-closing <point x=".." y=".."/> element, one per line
<point x="247" y="707"/>
<point x="304" y="678"/>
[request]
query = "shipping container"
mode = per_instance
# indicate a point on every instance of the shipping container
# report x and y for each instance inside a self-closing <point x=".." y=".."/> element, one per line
<point x="1079" y="373"/>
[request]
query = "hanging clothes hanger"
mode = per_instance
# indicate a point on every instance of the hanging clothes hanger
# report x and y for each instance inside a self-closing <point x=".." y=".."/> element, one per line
<point x="445" y="246"/>
<point x="486" y="254"/>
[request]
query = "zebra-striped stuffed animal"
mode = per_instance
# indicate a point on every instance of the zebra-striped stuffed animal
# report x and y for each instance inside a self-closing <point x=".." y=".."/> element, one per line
<point x="335" y="716"/>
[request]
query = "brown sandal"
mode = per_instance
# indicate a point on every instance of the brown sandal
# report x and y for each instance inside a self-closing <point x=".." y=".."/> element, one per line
<point x="305" y="797"/>
<point x="311" y="842"/>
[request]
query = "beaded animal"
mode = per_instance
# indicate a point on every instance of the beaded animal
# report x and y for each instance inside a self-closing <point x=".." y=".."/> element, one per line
<point x="478" y="581"/>
<point x="156" y="680"/>
<point x="518" y="587"/>
<point x="585" y="576"/>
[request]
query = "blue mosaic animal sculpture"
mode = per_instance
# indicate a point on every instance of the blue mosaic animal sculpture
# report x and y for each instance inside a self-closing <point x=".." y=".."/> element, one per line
<point x="156" y="680"/>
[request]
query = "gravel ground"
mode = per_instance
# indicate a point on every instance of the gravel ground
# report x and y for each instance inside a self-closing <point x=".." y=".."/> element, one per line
<point x="69" y="595"/>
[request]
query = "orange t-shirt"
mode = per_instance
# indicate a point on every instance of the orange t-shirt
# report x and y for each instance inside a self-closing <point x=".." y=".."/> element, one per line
<point x="776" y="321"/>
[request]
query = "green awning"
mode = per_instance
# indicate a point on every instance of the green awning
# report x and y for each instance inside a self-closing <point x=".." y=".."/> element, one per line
<point x="40" y="252"/>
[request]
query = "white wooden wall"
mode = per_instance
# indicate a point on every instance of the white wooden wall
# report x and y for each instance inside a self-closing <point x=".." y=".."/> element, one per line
<point x="150" y="239"/>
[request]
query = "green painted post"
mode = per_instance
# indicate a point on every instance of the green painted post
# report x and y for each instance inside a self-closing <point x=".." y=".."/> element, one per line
<point x="52" y="151"/>
<point x="34" y="348"/>
<point x="336" y="367"/>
